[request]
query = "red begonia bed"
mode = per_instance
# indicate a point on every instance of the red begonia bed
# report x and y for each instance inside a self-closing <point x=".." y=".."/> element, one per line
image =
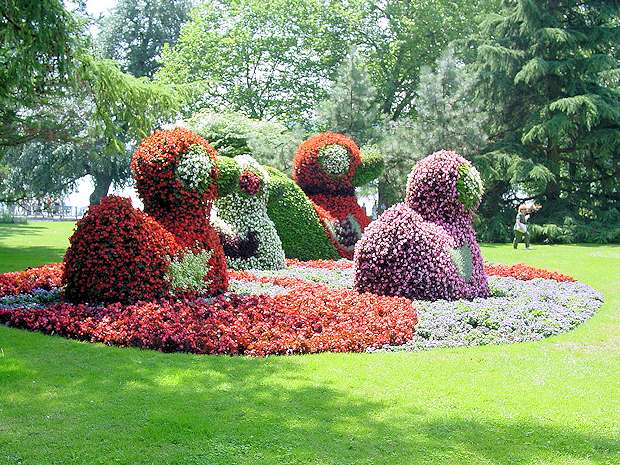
<point x="307" y="317"/>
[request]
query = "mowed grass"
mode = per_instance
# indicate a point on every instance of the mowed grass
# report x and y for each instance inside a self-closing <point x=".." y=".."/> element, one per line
<point x="35" y="243"/>
<point x="551" y="402"/>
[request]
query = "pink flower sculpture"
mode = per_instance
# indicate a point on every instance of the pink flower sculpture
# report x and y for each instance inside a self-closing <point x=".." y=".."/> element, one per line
<point x="425" y="248"/>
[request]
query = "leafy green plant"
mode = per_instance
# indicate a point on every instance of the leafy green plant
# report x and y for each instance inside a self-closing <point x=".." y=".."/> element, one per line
<point x="187" y="274"/>
<point x="300" y="230"/>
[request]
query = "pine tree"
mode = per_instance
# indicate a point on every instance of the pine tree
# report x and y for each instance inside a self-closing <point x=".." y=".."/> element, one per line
<point x="548" y="78"/>
<point x="352" y="106"/>
<point x="447" y="118"/>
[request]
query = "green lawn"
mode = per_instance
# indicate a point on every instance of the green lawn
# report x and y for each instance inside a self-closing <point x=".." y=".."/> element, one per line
<point x="550" y="402"/>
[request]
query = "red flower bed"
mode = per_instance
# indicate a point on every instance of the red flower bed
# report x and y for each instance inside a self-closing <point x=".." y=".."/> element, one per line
<point x="117" y="254"/>
<point x="21" y="282"/>
<point x="308" y="318"/>
<point x="524" y="272"/>
<point x="312" y="319"/>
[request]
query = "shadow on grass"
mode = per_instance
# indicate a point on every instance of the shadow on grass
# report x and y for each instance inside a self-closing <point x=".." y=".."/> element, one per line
<point x="10" y="230"/>
<point x="20" y="258"/>
<point x="83" y="403"/>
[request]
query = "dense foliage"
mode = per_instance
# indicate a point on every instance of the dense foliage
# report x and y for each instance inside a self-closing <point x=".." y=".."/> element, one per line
<point x="233" y="134"/>
<point x="425" y="248"/>
<point x="118" y="254"/>
<point x="352" y="107"/>
<point x="555" y="134"/>
<point x="133" y="33"/>
<point x="398" y="38"/>
<point x="265" y="59"/>
<point x="298" y="225"/>
<point x="38" y="42"/>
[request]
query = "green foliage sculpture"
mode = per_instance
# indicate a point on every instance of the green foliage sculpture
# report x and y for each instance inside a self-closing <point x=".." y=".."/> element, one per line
<point x="299" y="227"/>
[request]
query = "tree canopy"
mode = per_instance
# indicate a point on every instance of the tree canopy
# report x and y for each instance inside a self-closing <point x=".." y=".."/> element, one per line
<point x="267" y="59"/>
<point x="135" y="32"/>
<point x="546" y="75"/>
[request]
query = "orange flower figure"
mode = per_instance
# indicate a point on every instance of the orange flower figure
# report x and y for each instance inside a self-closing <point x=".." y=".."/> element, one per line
<point x="328" y="167"/>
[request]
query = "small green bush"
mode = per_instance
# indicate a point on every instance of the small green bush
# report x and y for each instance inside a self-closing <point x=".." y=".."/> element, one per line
<point x="228" y="179"/>
<point x="298" y="225"/>
<point x="188" y="273"/>
<point x="370" y="168"/>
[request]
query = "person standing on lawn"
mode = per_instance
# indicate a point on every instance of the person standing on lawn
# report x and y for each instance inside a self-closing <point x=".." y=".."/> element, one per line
<point x="520" y="227"/>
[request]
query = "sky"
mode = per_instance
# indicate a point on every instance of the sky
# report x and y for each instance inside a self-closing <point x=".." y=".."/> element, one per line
<point x="96" y="7"/>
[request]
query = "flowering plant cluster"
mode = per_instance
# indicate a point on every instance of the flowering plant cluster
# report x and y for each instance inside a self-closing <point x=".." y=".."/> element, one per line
<point x="518" y="310"/>
<point x="305" y="317"/>
<point x="180" y="195"/>
<point x="313" y="177"/>
<point x="194" y="169"/>
<point x="524" y="272"/>
<point x="20" y="282"/>
<point x="249" y="182"/>
<point x="325" y="167"/>
<point x="117" y="254"/>
<point x="344" y="219"/>
<point x="425" y="248"/>
<point x="308" y="307"/>
<point x="334" y="160"/>
<point x="250" y="237"/>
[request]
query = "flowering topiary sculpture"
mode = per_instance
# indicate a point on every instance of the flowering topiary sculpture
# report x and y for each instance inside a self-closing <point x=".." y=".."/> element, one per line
<point x="118" y="254"/>
<point x="425" y="248"/>
<point x="328" y="167"/>
<point x="249" y="237"/>
<point x="176" y="177"/>
<point x="300" y="229"/>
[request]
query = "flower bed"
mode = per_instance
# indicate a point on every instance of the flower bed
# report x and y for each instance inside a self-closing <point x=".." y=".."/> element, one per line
<point x="304" y="317"/>
<point x="307" y="307"/>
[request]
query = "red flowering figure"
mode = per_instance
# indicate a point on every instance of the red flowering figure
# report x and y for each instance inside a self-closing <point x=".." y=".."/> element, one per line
<point x="118" y="254"/>
<point x="176" y="178"/>
<point x="425" y="248"/>
<point x="328" y="167"/>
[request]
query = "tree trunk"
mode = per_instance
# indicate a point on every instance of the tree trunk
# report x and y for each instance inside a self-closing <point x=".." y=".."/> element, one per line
<point x="102" y="186"/>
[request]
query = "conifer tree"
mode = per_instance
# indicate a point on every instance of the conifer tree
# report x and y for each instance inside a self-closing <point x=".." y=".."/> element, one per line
<point x="447" y="118"/>
<point x="548" y="78"/>
<point x="352" y="106"/>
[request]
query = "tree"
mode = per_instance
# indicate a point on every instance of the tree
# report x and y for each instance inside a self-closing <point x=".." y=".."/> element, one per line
<point x="81" y="121"/>
<point x="135" y="32"/>
<point x="546" y="71"/>
<point x="235" y="134"/>
<point x="352" y="106"/>
<point x="399" y="37"/>
<point x="39" y="40"/>
<point x="266" y="59"/>
<point x="447" y="116"/>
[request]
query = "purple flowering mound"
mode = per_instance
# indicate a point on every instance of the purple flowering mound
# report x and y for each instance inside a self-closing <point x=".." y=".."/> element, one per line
<point x="425" y="248"/>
